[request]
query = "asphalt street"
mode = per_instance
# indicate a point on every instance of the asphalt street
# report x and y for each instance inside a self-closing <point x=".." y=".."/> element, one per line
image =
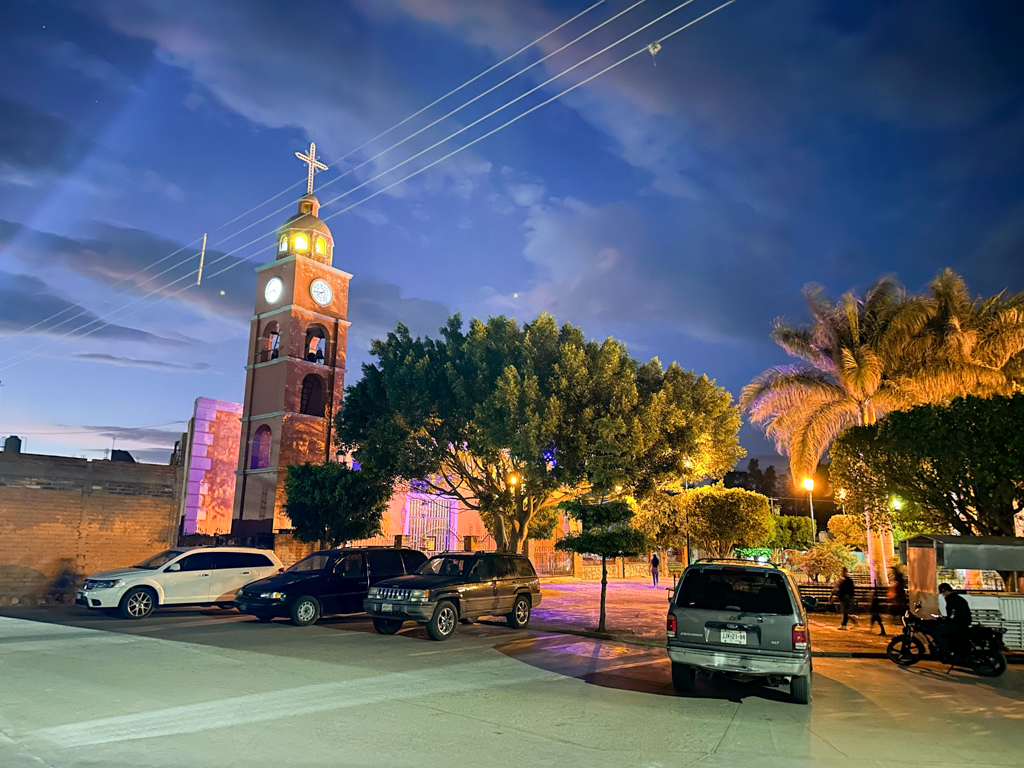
<point x="212" y="688"/>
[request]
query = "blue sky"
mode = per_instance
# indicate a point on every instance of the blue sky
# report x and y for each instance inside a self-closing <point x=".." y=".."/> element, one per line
<point x="679" y="207"/>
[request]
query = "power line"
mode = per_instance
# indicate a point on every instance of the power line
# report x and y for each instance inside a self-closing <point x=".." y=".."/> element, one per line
<point x="84" y="311"/>
<point x="441" y="159"/>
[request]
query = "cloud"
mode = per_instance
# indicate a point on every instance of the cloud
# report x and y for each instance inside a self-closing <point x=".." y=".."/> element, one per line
<point x="29" y="303"/>
<point x="144" y="435"/>
<point x="376" y="308"/>
<point x="131" y="362"/>
<point x="36" y="141"/>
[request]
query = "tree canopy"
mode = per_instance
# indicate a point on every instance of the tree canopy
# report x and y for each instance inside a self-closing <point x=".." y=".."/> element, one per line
<point x="959" y="466"/>
<point x="849" y="530"/>
<point x="790" y="532"/>
<point x="826" y="558"/>
<point x="331" y="503"/>
<point x="514" y="419"/>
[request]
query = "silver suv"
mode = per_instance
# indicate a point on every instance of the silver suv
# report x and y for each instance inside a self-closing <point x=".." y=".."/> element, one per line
<point x="743" y="620"/>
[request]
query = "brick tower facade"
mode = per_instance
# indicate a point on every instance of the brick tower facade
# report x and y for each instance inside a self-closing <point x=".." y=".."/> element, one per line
<point x="295" y="372"/>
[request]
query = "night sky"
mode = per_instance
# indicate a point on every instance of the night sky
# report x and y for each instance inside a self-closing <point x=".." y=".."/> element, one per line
<point x="679" y="204"/>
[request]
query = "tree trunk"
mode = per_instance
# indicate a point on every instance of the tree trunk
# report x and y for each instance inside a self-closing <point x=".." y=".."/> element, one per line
<point x="604" y="591"/>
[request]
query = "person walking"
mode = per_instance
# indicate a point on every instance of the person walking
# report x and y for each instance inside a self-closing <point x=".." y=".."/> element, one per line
<point x="655" y="566"/>
<point x="899" y="600"/>
<point x="876" y="610"/>
<point x="845" y="592"/>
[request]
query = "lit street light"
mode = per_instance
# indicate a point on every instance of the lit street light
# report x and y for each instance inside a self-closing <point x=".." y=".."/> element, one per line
<point x="809" y="485"/>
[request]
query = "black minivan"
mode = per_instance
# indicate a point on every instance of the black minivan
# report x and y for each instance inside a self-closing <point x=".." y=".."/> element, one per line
<point x="327" y="582"/>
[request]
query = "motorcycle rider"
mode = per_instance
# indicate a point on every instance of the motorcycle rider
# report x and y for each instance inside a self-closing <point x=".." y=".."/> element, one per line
<point x="953" y="631"/>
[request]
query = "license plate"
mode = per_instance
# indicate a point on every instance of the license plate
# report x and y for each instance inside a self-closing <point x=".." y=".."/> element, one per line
<point x="386" y="608"/>
<point x="736" y="638"/>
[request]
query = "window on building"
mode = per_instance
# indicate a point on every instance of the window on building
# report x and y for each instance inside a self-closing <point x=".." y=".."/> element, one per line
<point x="301" y="242"/>
<point x="312" y="402"/>
<point x="283" y="245"/>
<point x="261" y="448"/>
<point x="270" y="343"/>
<point x="307" y="207"/>
<point x="316" y="344"/>
<point x="320" y="245"/>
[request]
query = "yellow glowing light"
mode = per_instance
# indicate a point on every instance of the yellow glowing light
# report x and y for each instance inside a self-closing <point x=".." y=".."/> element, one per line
<point x="301" y="243"/>
<point x="897" y="504"/>
<point x="320" y="245"/>
<point x="618" y="487"/>
<point x="842" y="494"/>
<point x="513" y="479"/>
<point x="808" y="484"/>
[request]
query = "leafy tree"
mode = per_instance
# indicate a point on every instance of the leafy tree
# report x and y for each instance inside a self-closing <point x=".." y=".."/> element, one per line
<point x="720" y="519"/>
<point x="331" y="503"/>
<point x="605" y="530"/>
<point x="514" y="419"/>
<point x="790" y="532"/>
<point x="849" y="530"/>
<point x="826" y="558"/>
<point x="959" y="467"/>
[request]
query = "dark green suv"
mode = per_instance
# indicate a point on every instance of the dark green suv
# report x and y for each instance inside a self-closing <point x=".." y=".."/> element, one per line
<point x="454" y="587"/>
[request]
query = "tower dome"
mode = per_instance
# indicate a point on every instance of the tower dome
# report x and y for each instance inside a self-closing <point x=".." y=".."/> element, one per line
<point x="305" y="235"/>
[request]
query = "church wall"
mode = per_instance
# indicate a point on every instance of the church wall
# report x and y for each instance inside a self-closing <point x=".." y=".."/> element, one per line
<point x="63" y="518"/>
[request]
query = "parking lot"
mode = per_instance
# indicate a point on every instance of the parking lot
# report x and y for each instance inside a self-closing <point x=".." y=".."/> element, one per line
<point x="205" y="687"/>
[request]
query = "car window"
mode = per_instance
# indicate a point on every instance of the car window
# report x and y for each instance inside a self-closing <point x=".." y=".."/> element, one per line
<point x="154" y="562"/>
<point x="734" y="589"/>
<point x="413" y="560"/>
<point x="524" y="568"/>
<point x="227" y="560"/>
<point x="385" y="562"/>
<point x="349" y="566"/>
<point x="447" y="565"/>
<point x="483" y="568"/>
<point x="311" y="563"/>
<point x="506" y="567"/>
<point x="201" y="561"/>
<point x="256" y="560"/>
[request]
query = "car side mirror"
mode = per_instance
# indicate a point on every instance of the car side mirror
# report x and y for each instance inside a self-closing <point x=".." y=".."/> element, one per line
<point x="173" y="567"/>
<point x="810" y="603"/>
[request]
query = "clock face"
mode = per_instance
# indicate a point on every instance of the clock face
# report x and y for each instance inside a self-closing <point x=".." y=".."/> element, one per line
<point x="321" y="292"/>
<point x="274" y="289"/>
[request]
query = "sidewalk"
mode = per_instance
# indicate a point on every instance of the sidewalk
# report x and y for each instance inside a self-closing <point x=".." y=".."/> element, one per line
<point x="636" y="613"/>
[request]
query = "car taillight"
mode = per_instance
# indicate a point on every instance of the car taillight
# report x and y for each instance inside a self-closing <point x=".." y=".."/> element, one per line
<point x="671" y="625"/>
<point x="799" y="637"/>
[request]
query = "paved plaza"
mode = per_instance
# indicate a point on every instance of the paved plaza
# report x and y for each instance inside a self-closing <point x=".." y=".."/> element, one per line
<point x="212" y="688"/>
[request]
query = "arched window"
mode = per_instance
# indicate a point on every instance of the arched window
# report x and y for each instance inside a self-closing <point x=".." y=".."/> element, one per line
<point x="320" y="246"/>
<point x="283" y="245"/>
<point x="270" y="343"/>
<point x="301" y="242"/>
<point x="307" y="207"/>
<point x="312" y="402"/>
<point x="261" y="448"/>
<point x="316" y="344"/>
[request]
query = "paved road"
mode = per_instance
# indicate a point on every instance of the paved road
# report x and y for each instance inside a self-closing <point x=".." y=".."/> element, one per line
<point x="204" y="688"/>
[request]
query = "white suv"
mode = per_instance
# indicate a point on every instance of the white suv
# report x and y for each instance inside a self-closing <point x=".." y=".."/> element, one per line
<point x="181" y="576"/>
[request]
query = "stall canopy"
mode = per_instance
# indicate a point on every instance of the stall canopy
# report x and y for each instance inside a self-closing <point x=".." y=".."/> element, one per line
<point x="982" y="553"/>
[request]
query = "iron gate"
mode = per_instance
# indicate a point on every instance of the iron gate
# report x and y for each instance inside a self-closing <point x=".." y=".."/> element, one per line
<point x="430" y="523"/>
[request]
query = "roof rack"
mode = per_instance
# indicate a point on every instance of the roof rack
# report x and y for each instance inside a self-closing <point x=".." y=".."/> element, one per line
<point x="734" y="560"/>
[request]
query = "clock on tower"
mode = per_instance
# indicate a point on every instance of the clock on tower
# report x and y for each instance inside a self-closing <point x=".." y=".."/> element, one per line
<point x="295" y="373"/>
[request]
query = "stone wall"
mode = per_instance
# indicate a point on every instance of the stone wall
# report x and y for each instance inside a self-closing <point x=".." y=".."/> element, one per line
<point x="64" y="518"/>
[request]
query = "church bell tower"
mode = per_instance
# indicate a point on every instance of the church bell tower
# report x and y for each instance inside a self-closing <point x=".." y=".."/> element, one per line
<point x="295" y="371"/>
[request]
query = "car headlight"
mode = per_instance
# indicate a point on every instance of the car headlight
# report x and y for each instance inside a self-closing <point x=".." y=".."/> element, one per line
<point x="106" y="584"/>
<point x="419" y="595"/>
<point x="374" y="592"/>
<point x="272" y="595"/>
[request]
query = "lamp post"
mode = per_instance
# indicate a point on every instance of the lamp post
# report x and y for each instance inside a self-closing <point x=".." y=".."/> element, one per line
<point x="809" y="486"/>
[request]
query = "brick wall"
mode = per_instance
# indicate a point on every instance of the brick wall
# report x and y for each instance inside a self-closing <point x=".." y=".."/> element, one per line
<point x="64" y="518"/>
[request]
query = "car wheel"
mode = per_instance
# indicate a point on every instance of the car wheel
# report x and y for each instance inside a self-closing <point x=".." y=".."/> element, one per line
<point x="387" y="626"/>
<point x="905" y="651"/>
<point x="138" y="603"/>
<point x="800" y="689"/>
<point x="305" y="611"/>
<point x="263" y="618"/>
<point x="683" y="677"/>
<point x="442" y="624"/>
<point x="520" y="615"/>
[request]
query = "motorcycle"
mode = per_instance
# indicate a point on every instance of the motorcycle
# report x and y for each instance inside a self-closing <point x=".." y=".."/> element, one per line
<point x="980" y="649"/>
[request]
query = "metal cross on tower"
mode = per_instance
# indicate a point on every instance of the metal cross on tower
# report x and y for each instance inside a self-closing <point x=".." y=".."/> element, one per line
<point x="314" y="165"/>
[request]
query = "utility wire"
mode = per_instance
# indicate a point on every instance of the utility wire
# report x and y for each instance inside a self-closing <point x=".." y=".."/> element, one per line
<point x="379" y="136"/>
<point x="636" y="53"/>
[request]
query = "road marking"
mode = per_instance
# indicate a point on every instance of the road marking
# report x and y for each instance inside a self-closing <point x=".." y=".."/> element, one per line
<point x="273" y="705"/>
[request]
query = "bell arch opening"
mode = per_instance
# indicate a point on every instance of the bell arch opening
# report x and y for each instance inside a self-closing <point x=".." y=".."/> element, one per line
<point x="316" y="344"/>
<point x="312" y="401"/>
<point x="261" y="448"/>
<point x="269" y="344"/>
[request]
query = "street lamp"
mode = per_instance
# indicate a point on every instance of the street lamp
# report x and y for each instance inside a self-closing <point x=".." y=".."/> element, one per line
<point x="513" y="480"/>
<point x="809" y="486"/>
<point x="897" y="503"/>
